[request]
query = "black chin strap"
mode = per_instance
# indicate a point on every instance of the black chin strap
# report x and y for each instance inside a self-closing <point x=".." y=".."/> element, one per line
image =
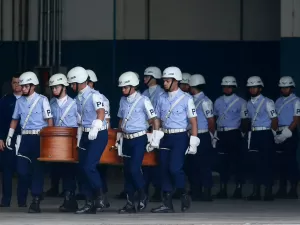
<point x="126" y="95"/>
<point x="30" y="85"/>
<point x="169" y="89"/>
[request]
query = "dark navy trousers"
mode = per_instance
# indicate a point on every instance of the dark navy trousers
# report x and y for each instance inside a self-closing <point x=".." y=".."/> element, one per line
<point x="134" y="148"/>
<point x="199" y="166"/>
<point x="8" y="164"/>
<point x="230" y="156"/>
<point x="30" y="170"/>
<point x="90" y="152"/>
<point x="171" y="161"/>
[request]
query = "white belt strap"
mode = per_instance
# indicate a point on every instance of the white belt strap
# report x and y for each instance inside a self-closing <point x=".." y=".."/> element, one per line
<point x="30" y="112"/>
<point x="131" y="110"/>
<point x="281" y="108"/>
<point x="257" y="111"/>
<point x="173" y="106"/>
<point x="83" y="104"/>
<point x="220" y="118"/>
<point x="65" y="113"/>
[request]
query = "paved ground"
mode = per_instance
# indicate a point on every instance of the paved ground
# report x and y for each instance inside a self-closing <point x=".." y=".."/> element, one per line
<point x="217" y="212"/>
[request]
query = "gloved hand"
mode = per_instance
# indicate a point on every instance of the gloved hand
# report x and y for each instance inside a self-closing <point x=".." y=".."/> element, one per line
<point x="285" y="134"/>
<point x="8" y="139"/>
<point x="214" y="139"/>
<point x="79" y="134"/>
<point x="157" y="135"/>
<point x="96" y="126"/>
<point x="194" y="143"/>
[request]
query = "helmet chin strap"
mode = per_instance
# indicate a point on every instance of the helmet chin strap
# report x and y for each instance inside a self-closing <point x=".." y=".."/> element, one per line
<point x="126" y="95"/>
<point x="149" y="80"/>
<point x="26" y="95"/>
<point x="58" y="96"/>
<point x="169" y="89"/>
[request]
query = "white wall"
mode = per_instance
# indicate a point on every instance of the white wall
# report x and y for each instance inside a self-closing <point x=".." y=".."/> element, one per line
<point x="290" y="18"/>
<point x="169" y="19"/>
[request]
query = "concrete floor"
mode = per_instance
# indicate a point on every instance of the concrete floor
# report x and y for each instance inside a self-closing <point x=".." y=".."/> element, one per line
<point x="216" y="212"/>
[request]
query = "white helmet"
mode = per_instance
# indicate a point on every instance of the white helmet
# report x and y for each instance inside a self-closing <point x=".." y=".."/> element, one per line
<point x="28" y="78"/>
<point x="196" y="79"/>
<point x="185" y="78"/>
<point x="128" y="79"/>
<point x="153" y="71"/>
<point x="92" y="75"/>
<point x="138" y="76"/>
<point x="58" y="79"/>
<point x="286" y="82"/>
<point x="77" y="75"/>
<point x="229" y="81"/>
<point x="254" y="81"/>
<point x="172" y="72"/>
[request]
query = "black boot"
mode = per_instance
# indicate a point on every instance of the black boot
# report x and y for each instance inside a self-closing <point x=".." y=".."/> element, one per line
<point x="222" y="194"/>
<point x="129" y="207"/>
<point x="35" y="205"/>
<point x="268" y="194"/>
<point x="143" y="200"/>
<point x="292" y="194"/>
<point x="101" y="201"/>
<point x="185" y="202"/>
<point x="88" y="208"/>
<point x="176" y="194"/>
<point x="238" y="192"/>
<point x="166" y="206"/>
<point x="255" y="196"/>
<point x="156" y="197"/>
<point x="206" y="195"/>
<point x="122" y="195"/>
<point x="70" y="203"/>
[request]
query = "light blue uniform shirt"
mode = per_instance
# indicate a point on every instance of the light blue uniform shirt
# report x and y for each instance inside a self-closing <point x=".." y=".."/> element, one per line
<point x="287" y="112"/>
<point x="204" y="109"/>
<point x="40" y="112"/>
<point x="153" y="94"/>
<point x="142" y="112"/>
<point x="230" y="118"/>
<point x="58" y="110"/>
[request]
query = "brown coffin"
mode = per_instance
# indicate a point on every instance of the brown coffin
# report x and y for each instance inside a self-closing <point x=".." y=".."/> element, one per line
<point x="58" y="144"/>
<point x="150" y="159"/>
<point x="110" y="155"/>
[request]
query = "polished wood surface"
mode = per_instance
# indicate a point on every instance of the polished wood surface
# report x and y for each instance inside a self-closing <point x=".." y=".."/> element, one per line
<point x="58" y="144"/>
<point x="110" y="154"/>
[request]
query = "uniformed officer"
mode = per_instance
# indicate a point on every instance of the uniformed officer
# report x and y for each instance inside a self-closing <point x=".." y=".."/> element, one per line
<point x="175" y="109"/>
<point x="8" y="158"/>
<point x="92" y="139"/>
<point x="261" y="150"/>
<point x="91" y="82"/>
<point x="184" y="83"/>
<point x="231" y="113"/>
<point x="135" y="112"/>
<point x="64" y="112"/>
<point x="151" y="174"/>
<point x="288" y="110"/>
<point x="200" y="164"/>
<point x="33" y="111"/>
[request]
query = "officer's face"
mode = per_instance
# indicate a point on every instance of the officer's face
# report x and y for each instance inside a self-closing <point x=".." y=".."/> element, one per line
<point x="286" y="91"/>
<point x="56" y="90"/>
<point x="91" y="84"/>
<point x="147" y="79"/>
<point x="15" y="85"/>
<point x="127" y="90"/>
<point x="168" y="82"/>
<point x="27" y="89"/>
<point x="254" y="91"/>
<point x="227" y="90"/>
<point x="184" y="87"/>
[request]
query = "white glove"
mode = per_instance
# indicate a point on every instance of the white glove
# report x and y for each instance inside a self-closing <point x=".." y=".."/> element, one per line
<point x="8" y="139"/>
<point x="274" y="132"/>
<point x="96" y="126"/>
<point x="214" y="139"/>
<point x="285" y="134"/>
<point x="18" y="142"/>
<point x="157" y="135"/>
<point x="194" y="143"/>
<point x="79" y="134"/>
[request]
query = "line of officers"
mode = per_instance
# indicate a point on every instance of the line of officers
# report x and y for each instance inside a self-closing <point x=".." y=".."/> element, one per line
<point x="191" y="136"/>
